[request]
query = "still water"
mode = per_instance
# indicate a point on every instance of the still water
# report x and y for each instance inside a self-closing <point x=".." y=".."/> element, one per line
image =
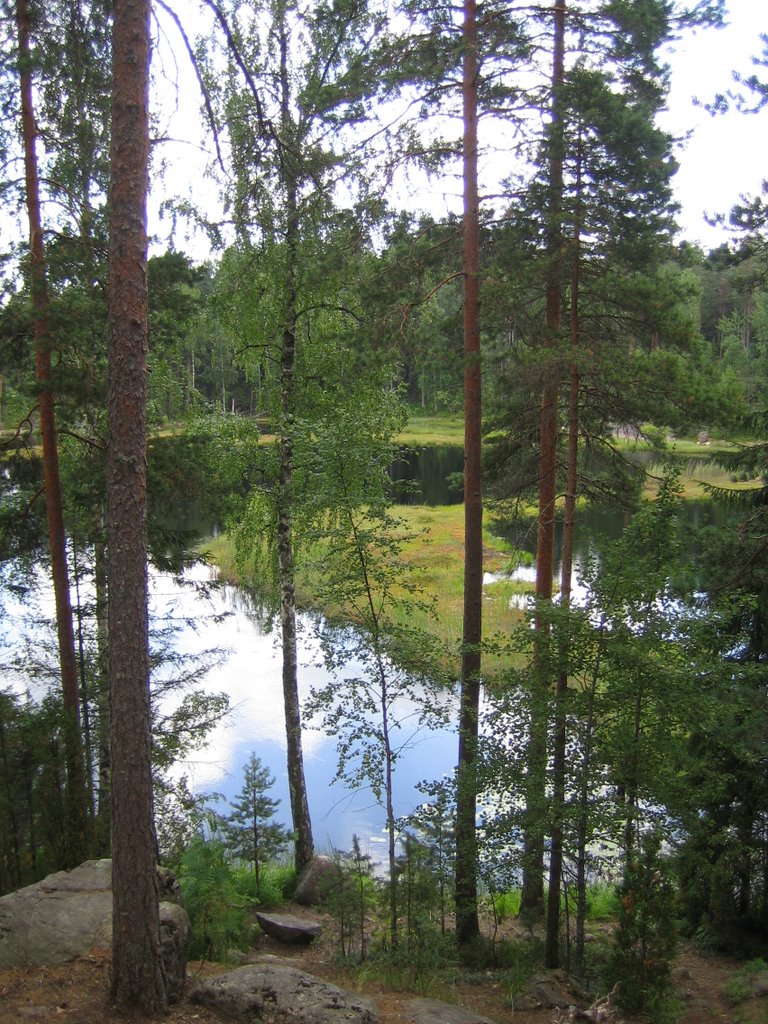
<point x="229" y="622"/>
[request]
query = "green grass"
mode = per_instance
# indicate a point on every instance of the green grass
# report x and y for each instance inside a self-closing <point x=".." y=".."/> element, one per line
<point x="437" y="550"/>
<point x="602" y="903"/>
<point x="437" y="553"/>
<point x="221" y="552"/>
<point x="740" y="986"/>
<point x="507" y="904"/>
<point x="276" y="883"/>
<point x="694" y="485"/>
<point x="433" y="430"/>
<point x="447" y="429"/>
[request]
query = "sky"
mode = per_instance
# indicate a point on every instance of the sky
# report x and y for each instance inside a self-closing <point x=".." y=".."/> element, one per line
<point x="726" y="156"/>
<point x="722" y="158"/>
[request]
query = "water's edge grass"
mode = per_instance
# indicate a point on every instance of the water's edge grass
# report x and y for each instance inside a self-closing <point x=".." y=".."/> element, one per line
<point x="436" y="544"/>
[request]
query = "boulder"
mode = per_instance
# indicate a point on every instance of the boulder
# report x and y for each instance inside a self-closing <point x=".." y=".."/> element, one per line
<point x="315" y="880"/>
<point x="433" y="1011"/>
<point x="70" y="912"/>
<point x="58" y="918"/>
<point x="289" y="929"/>
<point x="174" y="948"/>
<point x="551" y="990"/>
<point x="282" y="995"/>
<point x="170" y="890"/>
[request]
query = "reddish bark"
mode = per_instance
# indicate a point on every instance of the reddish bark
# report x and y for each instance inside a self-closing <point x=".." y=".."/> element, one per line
<point x="467" y="926"/>
<point x="54" y="504"/>
<point x="137" y="975"/>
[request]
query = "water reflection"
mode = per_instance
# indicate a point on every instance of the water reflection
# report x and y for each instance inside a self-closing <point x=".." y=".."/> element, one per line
<point x="230" y="619"/>
<point x="428" y="476"/>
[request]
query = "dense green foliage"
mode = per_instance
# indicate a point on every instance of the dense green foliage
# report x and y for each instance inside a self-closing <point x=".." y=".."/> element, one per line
<point x="216" y="906"/>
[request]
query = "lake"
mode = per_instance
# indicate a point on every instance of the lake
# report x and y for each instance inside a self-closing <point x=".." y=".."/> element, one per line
<point x="230" y="622"/>
<point x="251" y="677"/>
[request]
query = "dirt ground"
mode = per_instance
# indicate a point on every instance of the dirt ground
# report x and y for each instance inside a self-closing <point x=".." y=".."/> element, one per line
<point x="77" y="992"/>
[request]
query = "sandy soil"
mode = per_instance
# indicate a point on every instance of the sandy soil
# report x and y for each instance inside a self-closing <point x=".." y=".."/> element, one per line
<point x="78" y="992"/>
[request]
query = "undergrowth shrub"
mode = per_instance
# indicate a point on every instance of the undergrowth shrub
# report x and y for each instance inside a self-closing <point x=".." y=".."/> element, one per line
<point x="349" y="893"/>
<point x="602" y="902"/>
<point x="740" y="986"/>
<point x="645" y="941"/>
<point x="506" y="905"/>
<point x="419" y="967"/>
<point x="217" y="909"/>
<point x="275" y="885"/>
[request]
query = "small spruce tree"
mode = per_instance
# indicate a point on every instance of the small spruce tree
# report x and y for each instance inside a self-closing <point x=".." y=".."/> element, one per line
<point x="250" y="832"/>
<point x="645" y="941"/>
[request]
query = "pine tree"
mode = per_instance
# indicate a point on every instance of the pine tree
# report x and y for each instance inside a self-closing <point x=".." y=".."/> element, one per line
<point x="251" y="834"/>
<point x="78" y="824"/>
<point x="138" y="980"/>
<point x="467" y="924"/>
<point x="603" y="207"/>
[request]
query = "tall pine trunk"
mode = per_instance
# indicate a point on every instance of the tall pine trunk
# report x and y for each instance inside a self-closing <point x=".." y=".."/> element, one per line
<point x="104" y="783"/>
<point x="467" y="926"/>
<point x="552" y="943"/>
<point x="582" y="808"/>
<point x="532" y="898"/>
<point x="77" y="824"/>
<point x="302" y="825"/>
<point x="138" y="980"/>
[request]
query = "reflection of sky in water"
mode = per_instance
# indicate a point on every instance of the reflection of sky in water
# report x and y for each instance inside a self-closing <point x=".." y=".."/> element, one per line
<point x="249" y="670"/>
<point x="251" y="677"/>
<point x="527" y="574"/>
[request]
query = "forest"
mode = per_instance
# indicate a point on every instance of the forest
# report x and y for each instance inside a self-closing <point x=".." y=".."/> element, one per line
<point x="241" y="419"/>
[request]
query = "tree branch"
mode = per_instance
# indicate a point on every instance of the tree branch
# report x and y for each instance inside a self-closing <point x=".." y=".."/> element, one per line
<point x="206" y="98"/>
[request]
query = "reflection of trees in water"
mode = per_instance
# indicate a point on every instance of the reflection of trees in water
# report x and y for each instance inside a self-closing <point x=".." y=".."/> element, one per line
<point x="595" y="527"/>
<point x="427" y="476"/>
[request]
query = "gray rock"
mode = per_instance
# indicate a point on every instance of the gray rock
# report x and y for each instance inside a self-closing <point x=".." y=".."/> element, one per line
<point x="170" y="890"/>
<point x="289" y="929"/>
<point x="550" y="989"/>
<point x="58" y="918"/>
<point x="282" y="995"/>
<point x="315" y="881"/>
<point x="174" y="947"/>
<point x="69" y="912"/>
<point x="760" y="984"/>
<point x="433" y="1011"/>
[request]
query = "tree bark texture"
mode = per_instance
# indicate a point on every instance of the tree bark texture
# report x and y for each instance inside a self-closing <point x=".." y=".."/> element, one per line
<point x="532" y="898"/>
<point x="302" y="824"/>
<point x="77" y="802"/>
<point x="552" y="941"/>
<point x="467" y="926"/>
<point x="137" y="975"/>
<point x="104" y="785"/>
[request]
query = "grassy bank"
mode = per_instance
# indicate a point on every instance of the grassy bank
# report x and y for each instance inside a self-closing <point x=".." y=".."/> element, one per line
<point x="437" y="553"/>
<point x="423" y="431"/>
<point x="433" y="430"/>
<point x="437" y="547"/>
